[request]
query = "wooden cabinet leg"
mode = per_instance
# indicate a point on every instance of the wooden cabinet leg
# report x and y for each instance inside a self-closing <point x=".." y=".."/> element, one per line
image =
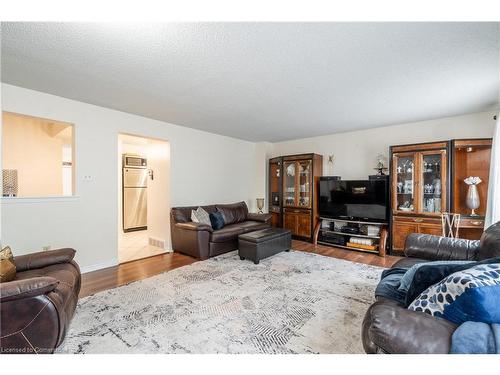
<point x="383" y="242"/>
<point x="316" y="232"/>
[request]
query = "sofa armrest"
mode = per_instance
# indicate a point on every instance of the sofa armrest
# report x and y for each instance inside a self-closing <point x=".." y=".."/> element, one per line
<point x="43" y="259"/>
<point x="397" y="330"/>
<point x="194" y="226"/>
<point x="264" y="218"/>
<point x="432" y="247"/>
<point x="19" y="289"/>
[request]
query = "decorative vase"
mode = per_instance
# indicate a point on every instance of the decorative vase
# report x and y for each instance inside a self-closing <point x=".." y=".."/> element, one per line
<point x="472" y="200"/>
<point x="260" y="205"/>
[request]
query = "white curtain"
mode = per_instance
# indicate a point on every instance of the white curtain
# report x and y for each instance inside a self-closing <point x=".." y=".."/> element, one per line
<point x="493" y="209"/>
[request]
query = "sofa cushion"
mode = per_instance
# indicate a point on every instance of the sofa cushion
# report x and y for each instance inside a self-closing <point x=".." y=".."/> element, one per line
<point x="7" y="270"/>
<point x="183" y="214"/>
<point x="217" y="221"/>
<point x="7" y="265"/>
<point x="233" y="213"/>
<point x="434" y="267"/>
<point x="6" y="254"/>
<point x="228" y="233"/>
<point x="250" y="226"/>
<point x="232" y="231"/>
<point x="430" y="273"/>
<point x="468" y="295"/>
<point x="202" y="216"/>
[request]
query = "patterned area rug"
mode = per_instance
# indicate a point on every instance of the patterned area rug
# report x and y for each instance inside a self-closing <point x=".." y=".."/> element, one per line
<point x="293" y="302"/>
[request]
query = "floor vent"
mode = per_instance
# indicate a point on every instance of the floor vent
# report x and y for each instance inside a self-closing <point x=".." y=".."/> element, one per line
<point x="156" y="242"/>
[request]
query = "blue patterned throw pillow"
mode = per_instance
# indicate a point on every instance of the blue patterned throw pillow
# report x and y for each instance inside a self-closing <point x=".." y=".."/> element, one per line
<point x="217" y="220"/>
<point x="468" y="295"/>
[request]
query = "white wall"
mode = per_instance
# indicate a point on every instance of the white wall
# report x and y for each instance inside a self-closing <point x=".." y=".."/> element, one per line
<point x="205" y="168"/>
<point x="159" y="191"/>
<point x="355" y="152"/>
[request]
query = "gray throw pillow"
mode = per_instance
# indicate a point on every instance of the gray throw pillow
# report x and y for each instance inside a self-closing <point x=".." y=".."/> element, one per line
<point x="203" y="216"/>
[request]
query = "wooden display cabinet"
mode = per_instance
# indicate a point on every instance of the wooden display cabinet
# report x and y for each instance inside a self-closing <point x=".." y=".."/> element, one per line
<point x="293" y="189"/>
<point x="428" y="179"/>
<point x="419" y="189"/>
<point x="470" y="157"/>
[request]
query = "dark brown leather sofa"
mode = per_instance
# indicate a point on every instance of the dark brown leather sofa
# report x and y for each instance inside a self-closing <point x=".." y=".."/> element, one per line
<point x="389" y="327"/>
<point x="37" y="306"/>
<point x="201" y="241"/>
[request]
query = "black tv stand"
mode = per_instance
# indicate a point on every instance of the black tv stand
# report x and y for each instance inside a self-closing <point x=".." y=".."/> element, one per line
<point x="328" y="232"/>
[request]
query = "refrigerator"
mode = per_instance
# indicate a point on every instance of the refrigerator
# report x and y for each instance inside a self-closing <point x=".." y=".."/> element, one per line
<point x="135" y="188"/>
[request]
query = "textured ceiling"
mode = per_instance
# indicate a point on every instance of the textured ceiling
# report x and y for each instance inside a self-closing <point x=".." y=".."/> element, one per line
<point x="263" y="81"/>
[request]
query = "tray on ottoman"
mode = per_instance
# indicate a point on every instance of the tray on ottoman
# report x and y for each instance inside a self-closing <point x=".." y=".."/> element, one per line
<point x="264" y="243"/>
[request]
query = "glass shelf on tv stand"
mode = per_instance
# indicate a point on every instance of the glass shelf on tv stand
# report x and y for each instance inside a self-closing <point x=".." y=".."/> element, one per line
<point x="348" y="234"/>
<point x="353" y="221"/>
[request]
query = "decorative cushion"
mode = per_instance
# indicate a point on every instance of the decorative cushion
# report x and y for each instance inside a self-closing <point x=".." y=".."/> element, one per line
<point x="194" y="219"/>
<point x="217" y="220"/>
<point x="468" y="295"/>
<point x="202" y="216"/>
<point x="6" y="253"/>
<point x="7" y="265"/>
<point x="408" y="276"/>
<point x="430" y="273"/>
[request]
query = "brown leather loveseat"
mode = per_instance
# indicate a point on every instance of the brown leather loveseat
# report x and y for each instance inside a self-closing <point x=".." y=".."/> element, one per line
<point x="37" y="306"/>
<point x="201" y="241"/>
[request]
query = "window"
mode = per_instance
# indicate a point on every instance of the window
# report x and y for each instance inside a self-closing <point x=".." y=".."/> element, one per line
<point x="37" y="157"/>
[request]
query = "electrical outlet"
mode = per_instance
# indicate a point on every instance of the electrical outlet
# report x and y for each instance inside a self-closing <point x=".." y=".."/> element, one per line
<point x="46" y="248"/>
<point x="88" y="178"/>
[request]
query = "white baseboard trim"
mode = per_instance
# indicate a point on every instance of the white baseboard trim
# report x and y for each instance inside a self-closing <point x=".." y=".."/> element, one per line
<point x="99" y="266"/>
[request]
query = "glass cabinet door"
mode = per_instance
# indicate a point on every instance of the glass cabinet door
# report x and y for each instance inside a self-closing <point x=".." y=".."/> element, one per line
<point x="289" y="185"/>
<point x="432" y="182"/>
<point x="404" y="182"/>
<point x="305" y="173"/>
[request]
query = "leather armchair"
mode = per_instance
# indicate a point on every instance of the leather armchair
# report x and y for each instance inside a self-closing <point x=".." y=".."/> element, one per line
<point x="201" y="241"/>
<point x="37" y="306"/>
<point x="389" y="327"/>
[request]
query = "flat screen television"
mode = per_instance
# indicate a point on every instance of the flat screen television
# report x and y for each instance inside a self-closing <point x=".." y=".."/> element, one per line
<point x="361" y="200"/>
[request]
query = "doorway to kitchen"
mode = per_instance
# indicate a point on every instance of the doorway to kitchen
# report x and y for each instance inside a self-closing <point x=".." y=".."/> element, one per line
<point x="143" y="197"/>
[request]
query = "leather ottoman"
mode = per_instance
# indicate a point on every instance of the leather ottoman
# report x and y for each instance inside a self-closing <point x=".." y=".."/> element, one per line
<point x="264" y="243"/>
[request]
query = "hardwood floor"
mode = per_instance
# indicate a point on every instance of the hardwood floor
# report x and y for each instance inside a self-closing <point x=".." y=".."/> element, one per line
<point x="108" y="278"/>
<point x="351" y="255"/>
<point x="125" y="273"/>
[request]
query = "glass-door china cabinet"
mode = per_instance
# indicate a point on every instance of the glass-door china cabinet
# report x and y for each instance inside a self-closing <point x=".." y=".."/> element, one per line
<point x="420" y="180"/>
<point x="300" y="177"/>
<point x="298" y="183"/>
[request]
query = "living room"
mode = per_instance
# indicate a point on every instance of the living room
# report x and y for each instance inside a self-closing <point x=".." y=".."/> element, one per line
<point x="297" y="186"/>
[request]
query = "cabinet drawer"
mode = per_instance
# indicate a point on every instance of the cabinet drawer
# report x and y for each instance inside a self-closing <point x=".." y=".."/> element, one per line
<point x="297" y="211"/>
<point x="471" y="223"/>
<point x="416" y="220"/>
<point x="436" y="230"/>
